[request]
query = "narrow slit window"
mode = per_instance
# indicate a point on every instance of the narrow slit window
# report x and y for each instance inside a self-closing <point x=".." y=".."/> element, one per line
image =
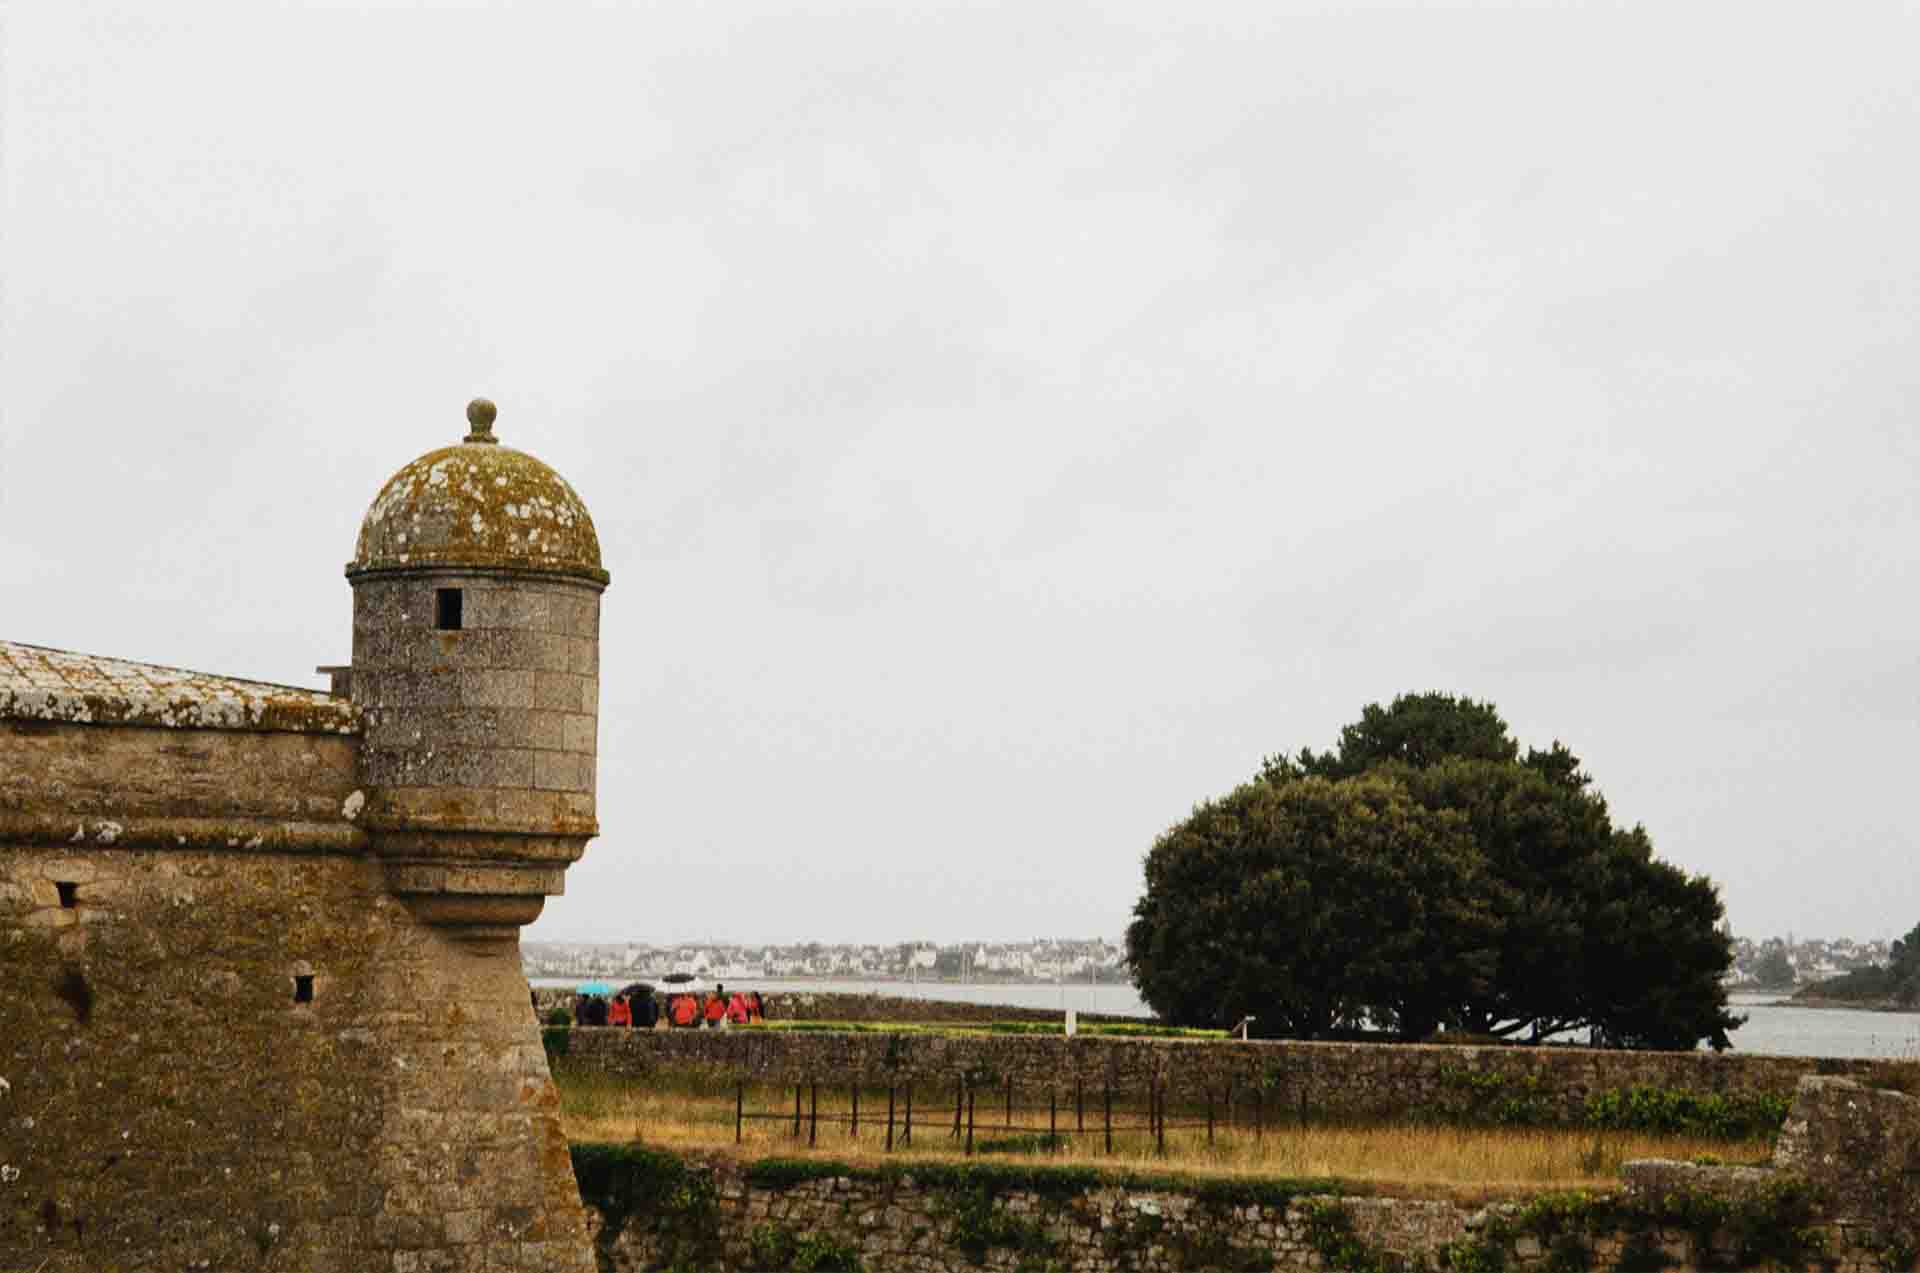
<point x="303" y="988"/>
<point x="69" y="894"/>
<point x="446" y="611"/>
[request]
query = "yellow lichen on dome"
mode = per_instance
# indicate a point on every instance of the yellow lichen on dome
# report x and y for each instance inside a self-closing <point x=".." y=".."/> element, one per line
<point x="478" y="506"/>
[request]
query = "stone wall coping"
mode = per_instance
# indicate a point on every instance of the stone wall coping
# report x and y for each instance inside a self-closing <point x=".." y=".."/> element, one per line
<point x="1467" y="1054"/>
<point x="42" y="684"/>
<point x="259" y="835"/>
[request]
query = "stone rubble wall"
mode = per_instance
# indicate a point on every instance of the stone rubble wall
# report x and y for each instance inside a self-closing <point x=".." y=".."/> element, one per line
<point x="904" y="1226"/>
<point x="1320" y="1080"/>
<point x="1861" y="1144"/>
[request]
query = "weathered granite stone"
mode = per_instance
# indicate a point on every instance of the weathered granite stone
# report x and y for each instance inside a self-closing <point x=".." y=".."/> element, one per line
<point x="260" y="993"/>
<point x="1860" y="1145"/>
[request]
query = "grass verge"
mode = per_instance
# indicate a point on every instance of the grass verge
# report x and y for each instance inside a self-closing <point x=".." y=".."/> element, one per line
<point x="1463" y="1163"/>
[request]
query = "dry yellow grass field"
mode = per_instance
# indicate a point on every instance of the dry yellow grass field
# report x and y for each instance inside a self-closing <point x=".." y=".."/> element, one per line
<point x="1464" y="1163"/>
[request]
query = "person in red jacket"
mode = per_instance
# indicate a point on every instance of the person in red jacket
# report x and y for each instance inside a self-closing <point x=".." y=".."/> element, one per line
<point x="686" y="1010"/>
<point x="621" y="1013"/>
<point x="737" y="1009"/>
<point x="716" y="1006"/>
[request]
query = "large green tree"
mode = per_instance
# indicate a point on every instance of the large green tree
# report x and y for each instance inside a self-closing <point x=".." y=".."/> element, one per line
<point x="1538" y="915"/>
<point x="1309" y="906"/>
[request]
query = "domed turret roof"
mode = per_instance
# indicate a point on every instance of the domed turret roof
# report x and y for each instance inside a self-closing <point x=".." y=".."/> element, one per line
<point x="478" y="505"/>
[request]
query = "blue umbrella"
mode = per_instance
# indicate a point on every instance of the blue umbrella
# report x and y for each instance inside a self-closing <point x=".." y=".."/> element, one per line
<point x="593" y="988"/>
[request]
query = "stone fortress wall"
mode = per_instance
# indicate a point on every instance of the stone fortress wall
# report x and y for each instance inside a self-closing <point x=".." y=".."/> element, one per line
<point x="260" y="994"/>
<point x="165" y="1098"/>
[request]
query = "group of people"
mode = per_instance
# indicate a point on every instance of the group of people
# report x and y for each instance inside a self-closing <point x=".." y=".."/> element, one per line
<point x="712" y="1011"/>
<point x="637" y="1009"/>
<point x="623" y="1009"/>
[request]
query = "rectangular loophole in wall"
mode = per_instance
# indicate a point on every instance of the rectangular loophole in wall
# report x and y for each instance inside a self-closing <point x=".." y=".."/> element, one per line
<point x="303" y="988"/>
<point x="446" y="609"/>
<point x="69" y="893"/>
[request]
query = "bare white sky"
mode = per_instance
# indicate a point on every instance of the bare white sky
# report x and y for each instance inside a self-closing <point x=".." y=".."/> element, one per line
<point x="1006" y="423"/>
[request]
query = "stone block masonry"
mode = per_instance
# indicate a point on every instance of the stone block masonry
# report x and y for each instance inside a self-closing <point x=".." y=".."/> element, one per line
<point x="493" y="724"/>
<point x="167" y="1098"/>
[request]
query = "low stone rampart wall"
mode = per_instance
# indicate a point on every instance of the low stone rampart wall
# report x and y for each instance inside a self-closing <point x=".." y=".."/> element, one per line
<point x="1318" y="1080"/>
<point x="819" y="1215"/>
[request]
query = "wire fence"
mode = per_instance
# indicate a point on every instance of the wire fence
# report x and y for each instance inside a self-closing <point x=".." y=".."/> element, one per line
<point x="994" y="1109"/>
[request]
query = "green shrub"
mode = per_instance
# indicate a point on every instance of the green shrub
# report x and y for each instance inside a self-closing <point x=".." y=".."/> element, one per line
<point x="1041" y="1143"/>
<point x="978" y="1224"/>
<point x="774" y="1246"/>
<point x="1495" y="1098"/>
<point x="1330" y="1233"/>
<point x="627" y="1183"/>
<point x="1729" y="1116"/>
<point x="555" y="1039"/>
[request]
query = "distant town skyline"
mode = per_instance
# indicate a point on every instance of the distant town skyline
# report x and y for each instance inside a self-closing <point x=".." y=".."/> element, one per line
<point x="1813" y="957"/>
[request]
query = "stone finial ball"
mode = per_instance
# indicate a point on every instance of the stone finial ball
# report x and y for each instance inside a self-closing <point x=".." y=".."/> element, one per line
<point x="480" y="414"/>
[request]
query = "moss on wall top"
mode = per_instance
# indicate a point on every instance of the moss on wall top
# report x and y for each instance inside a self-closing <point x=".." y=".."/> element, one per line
<point x="87" y="689"/>
<point x="478" y="505"/>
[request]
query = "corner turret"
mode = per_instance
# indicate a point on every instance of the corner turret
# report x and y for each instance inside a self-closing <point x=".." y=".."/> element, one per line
<point x="476" y="663"/>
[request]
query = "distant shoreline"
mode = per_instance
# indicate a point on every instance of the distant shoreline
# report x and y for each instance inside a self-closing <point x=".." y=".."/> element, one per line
<point x="1805" y="999"/>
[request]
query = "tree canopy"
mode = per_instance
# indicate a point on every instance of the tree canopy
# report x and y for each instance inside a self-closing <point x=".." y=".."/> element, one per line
<point x="1426" y="873"/>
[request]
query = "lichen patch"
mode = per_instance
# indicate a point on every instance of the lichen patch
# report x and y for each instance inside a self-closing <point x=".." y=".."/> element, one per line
<point x="61" y="685"/>
<point x="459" y="506"/>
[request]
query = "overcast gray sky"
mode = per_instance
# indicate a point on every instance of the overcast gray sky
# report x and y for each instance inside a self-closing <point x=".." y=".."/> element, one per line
<point x="1005" y="423"/>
